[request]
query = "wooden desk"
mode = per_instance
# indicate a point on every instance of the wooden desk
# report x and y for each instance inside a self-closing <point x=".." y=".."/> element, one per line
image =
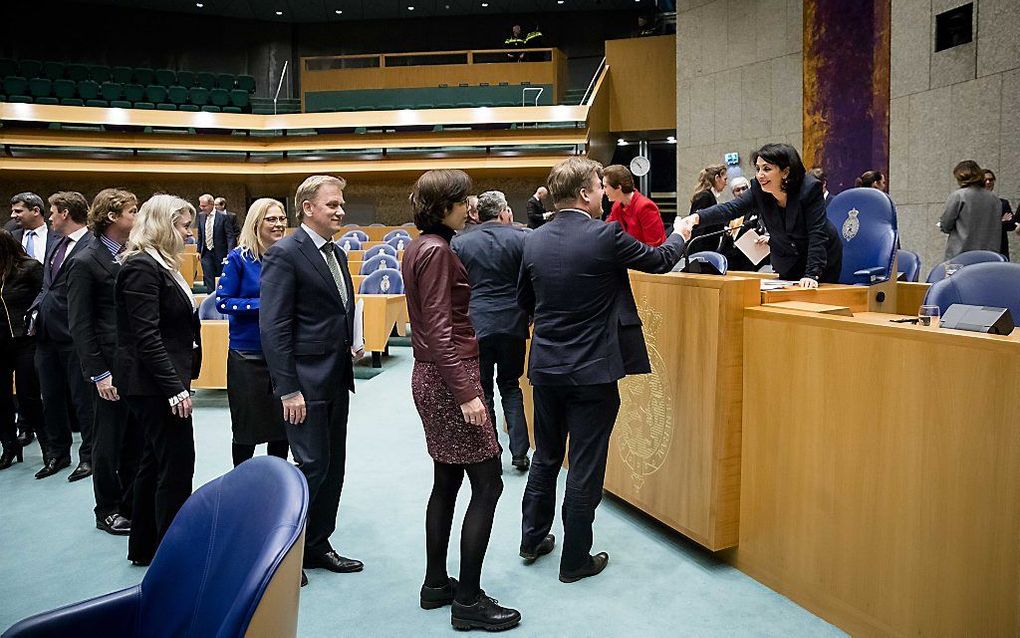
<point x="880" y="481"/>
<point x="910" y="296"/>
<point x="382" y="313"/>
<point x="854" y="297"/>
<point x="215" y="340"/>
<point x="191" y="267"/>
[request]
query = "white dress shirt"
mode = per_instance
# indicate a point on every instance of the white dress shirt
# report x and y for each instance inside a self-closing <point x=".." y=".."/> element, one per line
<point x="38" y="240"/>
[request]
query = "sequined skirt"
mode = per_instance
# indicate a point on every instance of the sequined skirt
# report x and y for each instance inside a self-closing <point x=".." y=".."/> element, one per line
<point x="449" y="438"/>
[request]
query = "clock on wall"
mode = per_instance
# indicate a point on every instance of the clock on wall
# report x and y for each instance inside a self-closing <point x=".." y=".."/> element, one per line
<point x="640" y="166"/>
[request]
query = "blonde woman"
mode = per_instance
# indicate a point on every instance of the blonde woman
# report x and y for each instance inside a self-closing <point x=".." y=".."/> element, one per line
<point x="256" y="416"/>
<point x="158" y="354"/>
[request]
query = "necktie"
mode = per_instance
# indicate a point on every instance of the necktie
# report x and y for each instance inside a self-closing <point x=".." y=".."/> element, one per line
<point x="334" y="269"/>
<point x="30" y="243"/>
<point x="58" y="256"/>
<point x="210" y="219"/>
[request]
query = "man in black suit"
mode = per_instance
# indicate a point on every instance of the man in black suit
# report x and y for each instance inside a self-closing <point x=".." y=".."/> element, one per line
<point x="59" y="368"/>
<point x="217" y="236"/>
<point x="537" y="215"/>
<point x="92" y="314"/>
<point x="587" y="336"/>
<point x="492" y="256"/>
<point x="307" y="327"/>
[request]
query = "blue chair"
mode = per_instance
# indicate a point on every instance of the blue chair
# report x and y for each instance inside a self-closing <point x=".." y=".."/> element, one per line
<point x="411" y="224"/>
<point x="230" y="565"/>
<point x="360" y="234"/>
<point x="395" y="232"/>
<point x="207" y="309"/>
<point x="377" y="262"/>
<point x="385" y="281"/>
<point x="715" y="260"/>
<point x="908" y="263"/>
<point x="381" y="249"/>
<point x="347" y="243"/>
<point x="968" y="258"/>
<point x="399" y="242"/>
<point x="988" y="284"/>
<point x="866" y="221"/>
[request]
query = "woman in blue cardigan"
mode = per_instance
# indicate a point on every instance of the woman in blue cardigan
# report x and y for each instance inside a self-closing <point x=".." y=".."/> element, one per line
<point x="256" y="416"/>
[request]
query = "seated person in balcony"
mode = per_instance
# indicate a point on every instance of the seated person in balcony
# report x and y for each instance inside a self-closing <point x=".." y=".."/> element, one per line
<point x="516" y="43"/>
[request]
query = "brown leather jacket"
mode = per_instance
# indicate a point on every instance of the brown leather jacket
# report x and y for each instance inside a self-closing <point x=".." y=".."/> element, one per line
<point x="437" y="290"/>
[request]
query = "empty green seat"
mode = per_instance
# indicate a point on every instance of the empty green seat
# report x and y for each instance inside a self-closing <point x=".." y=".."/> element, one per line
<point x="209" y="108"/>
<point x="231" y="109"/>
<point x="30" y="68"/>
<point x="122" y="74"/>
<point x="239" y="98"/>
<point x="147" y="106"/>
<point x="72" y="101"/>
<point x="88" y="90"/>
<point x="445" y="105"/>
<point x="225" y="81"/>
<point x="246" y="83"/>
<point x="15" y="85"/>
<point x="190" y="108"/>
<point x="111" y="91"/>
<point x="19" y="98"/>
<point x="76" y="72"/>
<point x="177" y="94"/>
<point x="163" y="106"/>
<point x="155" y="93"/>
<point x="53" y="70"/>
<point x="100" y="73"/>
<point x="40" y="87"/>
<point x="207" y="80"/>
<point x="199" y="95"/>
<point x="144" y="76"/>
<point x="186" y="79"/>
<point x="165" y="77"/>
<point x="219" y="97"/>
<point x="64" y="89"/>
<point x="134" y="93"/>
<point x="8" y="67"/>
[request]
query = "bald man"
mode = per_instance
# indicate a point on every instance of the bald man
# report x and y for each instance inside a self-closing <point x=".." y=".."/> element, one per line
<point x="217" y="236"/>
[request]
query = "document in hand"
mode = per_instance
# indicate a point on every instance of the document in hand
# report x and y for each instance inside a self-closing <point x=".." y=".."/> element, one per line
<point x="358" y="340"/>
<point x="748" y="245"/>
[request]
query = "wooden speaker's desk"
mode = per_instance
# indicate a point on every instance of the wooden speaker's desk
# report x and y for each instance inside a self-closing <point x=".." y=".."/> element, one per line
<point x="215" y="341"/>
<point x="382" y="314"/>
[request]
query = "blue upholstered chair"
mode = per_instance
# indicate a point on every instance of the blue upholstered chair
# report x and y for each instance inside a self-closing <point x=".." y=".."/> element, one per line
<point x="385" y="281"/>
<point x="393" y="233"/>
<point x="381" y="249"/>
<point x="716" y="260"/>
<point x="379" y="261"/>
<point x="988" y="284"/>
<point x="399" y="242"/>
<point x="968" y="258"/>
<point x="908" y="263"/>
<point x="207" y="309"/>
<point x="360" y="234"/>
<point x="348" y="243"/>
<point x="865" y="218"/>
<point x="230" y="565"/>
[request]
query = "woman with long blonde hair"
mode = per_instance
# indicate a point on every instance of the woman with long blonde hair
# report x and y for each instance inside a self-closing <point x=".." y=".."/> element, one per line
<point x="158" y="354"/>
<point x="711" y="184"/>
<point x="256" y="416"/>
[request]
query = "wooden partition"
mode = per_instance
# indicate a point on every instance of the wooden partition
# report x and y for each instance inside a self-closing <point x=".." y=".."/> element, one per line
<point x="643" y="87"/>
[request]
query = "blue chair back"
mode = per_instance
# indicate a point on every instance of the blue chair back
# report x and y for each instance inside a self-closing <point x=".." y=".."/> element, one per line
<point x="986" y="284"/>
<point x="360" y="234"/>
<point x="938" y="273"/>
<point x="399" y="242"/>
<point x="717" y="260"/>
<point x="207" y="309"/>
<point x="865" y="219"/>
<point x="908" y="263"/>
<point x="381" y="249"/>
<point x="393" y="233"/>
<point x="385" y="281"/>
<point x="349" y="243"/>
<point x="379" y="261"/>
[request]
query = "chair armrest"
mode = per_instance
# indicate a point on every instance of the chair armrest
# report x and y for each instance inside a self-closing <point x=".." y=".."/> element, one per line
<point x="112" y="614"/>
<point x="868" y="276"/>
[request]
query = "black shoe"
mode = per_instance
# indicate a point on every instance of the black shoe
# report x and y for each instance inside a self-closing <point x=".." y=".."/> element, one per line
<point x="53" y="466"/>
<point x="114" y="524"/>
<point x="597" y="563"/>
<point x="436" y="597"/>
<point x="141" y="563"/>
<point x="521" y="463"/>
<point x="12" y="454"/>
<point x="84" y="470"/>
<point x="26" y="438"/>
<point x="304" y="578"/>
<point x="334" y="562"/>
<point x="531" y="554"/>
<point x="485" y="614"/>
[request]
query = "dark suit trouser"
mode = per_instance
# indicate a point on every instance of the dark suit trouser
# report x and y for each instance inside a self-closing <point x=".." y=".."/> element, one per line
<point x="504" y="354"/>
<point x="164" y="475"/>
<point x="117" y="444"/>
<point x="319" y="446"/>
<point x="212" y="267"/>
<point x="587" y="413"/>
<point x="17" y="357"/>
<point x="62" y="385"/>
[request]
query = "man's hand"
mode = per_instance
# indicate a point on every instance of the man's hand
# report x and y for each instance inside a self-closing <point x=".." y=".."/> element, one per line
<point x="807" y="282"/>
<point x="1007" y="217"/>
<point x="182" y="409"/>
<point x="358" y="354"/>
<point x="683" y="226"/>
<point x="107" y="390"/>
<point x="294" y="409"/>
<point x="474" y="411"/>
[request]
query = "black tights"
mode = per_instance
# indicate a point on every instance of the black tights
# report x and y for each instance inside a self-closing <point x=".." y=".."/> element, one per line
<point x="242" y="452"/>
<point x="486" y="486"/>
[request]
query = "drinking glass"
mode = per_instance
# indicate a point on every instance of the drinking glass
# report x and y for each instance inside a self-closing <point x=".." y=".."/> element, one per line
<point x="928" y="315"/>
<point x="952" y="268"/>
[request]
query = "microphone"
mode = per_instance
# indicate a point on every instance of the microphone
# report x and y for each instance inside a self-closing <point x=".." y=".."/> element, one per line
<point x="748" y="221"/>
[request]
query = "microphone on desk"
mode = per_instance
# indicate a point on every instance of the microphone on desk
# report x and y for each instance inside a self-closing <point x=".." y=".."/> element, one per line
<point x="708" y="269"/>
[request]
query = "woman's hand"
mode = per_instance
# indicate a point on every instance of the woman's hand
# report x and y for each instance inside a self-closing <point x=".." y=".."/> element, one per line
<point x="808" y="282"/>
<point x="182" y="409"/>
<point x="474" y="411"/>
<point x="762" y="239"/>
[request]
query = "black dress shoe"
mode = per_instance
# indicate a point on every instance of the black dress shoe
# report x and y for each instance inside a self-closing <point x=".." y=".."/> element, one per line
<point x="114" y="524"/>
<point x="53" y="466"/>
<point x="521" y="463"/>
<point x="436" y="597"/>
<point x="531" y="554"/>
<point x="26" y="438"/>
<point x="597" y="563"/>
<point x="141" y="563"/>
<point x="485" y="614"/>
<point x="334" y="562"/>
<point x="12" y="454"/>
<point x="304" y="578"/>
<point x="84" y="470"/>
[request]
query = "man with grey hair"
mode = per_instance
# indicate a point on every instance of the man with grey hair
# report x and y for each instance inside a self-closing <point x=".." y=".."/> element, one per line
<point x="217" y="236"/>
<point x="492" y="256"/>
<point x="28" y="214"/>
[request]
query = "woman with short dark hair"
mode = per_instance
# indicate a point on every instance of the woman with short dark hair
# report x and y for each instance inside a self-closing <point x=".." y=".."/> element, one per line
<point x="448" y="394"/>
<point x="973" y="215"/>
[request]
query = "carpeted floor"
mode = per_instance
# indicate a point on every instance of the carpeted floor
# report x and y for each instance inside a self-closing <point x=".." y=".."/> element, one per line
<point x="657" y="583"/>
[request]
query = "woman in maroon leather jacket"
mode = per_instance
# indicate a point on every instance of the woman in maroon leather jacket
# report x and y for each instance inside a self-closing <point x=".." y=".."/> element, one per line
<point x="448" y="395"/>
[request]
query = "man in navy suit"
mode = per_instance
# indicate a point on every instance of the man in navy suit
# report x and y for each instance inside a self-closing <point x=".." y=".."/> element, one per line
<point x="28" y="212"/>
<point x="217" y="236"/>
<point x="587" y="336"/>
<point x="307" y="326"/>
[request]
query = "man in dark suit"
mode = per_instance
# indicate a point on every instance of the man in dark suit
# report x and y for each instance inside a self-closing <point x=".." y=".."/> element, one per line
<point x="492" y="256"/>
<point x="217" y="236"/>
<point x="587" y="336"/>
<point x="537" y="215"/>
<point x="307" y="328"/>
<point x="59" y="368"/>
<point x="92" y="314"/>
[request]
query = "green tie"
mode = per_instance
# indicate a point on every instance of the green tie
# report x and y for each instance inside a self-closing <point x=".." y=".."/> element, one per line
<point x="334" y="268"/>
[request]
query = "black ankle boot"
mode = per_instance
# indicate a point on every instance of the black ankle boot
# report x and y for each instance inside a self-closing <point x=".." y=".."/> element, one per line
<point x="485" y="614"/>
<point x="12" y="451"/>
<point x="436" y="597"/>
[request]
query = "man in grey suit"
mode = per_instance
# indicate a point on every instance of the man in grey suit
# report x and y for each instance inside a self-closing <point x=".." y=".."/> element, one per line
<point x="492" y="256"/>
<point x="217" y="236"/>
<point x="307" y="325"/>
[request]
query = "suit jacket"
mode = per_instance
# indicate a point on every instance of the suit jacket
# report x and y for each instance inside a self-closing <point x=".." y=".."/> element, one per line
<point x="701" y="201"/>
<point x="51" y="238"/>
<point x="51" y="322"/>
<point x="92" y="308"/>
<point x="574" y="282"/>
<point x="536" y="212"/>
<point x="306" y="330"/>
<point x="157" y="329"/>
<point x="492" y="256"/>
<point x="1007" y="228"/>
<point x="973" y="220"/>
<point x="802" y="240"/>
<point x="17" y="293"/>
<point x="224" y="234"/>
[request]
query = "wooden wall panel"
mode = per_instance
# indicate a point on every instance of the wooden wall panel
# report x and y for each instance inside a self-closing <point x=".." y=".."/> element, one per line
<point x="643" y="86"/>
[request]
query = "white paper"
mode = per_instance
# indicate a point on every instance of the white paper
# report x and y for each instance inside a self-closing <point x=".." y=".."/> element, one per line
<point x="754" y="251"/>
<point x="358" y="341"/>
<point x="776" y="284"/>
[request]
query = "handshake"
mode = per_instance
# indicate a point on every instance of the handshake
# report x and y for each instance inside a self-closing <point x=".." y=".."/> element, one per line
<point x="684" y="225"/>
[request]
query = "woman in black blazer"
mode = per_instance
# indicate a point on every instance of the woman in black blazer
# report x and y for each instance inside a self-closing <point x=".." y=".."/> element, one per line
<point x="803" y="243"/>
<point x="711" y="183"/>
<point x="158" y="354"/>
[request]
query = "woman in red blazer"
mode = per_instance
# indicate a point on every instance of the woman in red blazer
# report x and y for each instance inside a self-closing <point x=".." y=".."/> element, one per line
<point x="636" y="214"/>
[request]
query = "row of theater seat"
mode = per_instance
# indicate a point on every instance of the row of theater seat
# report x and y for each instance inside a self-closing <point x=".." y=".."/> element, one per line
<point x="153" y="96"/>
<point x="125" y="75"/>
<point x="420" y="105"/>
